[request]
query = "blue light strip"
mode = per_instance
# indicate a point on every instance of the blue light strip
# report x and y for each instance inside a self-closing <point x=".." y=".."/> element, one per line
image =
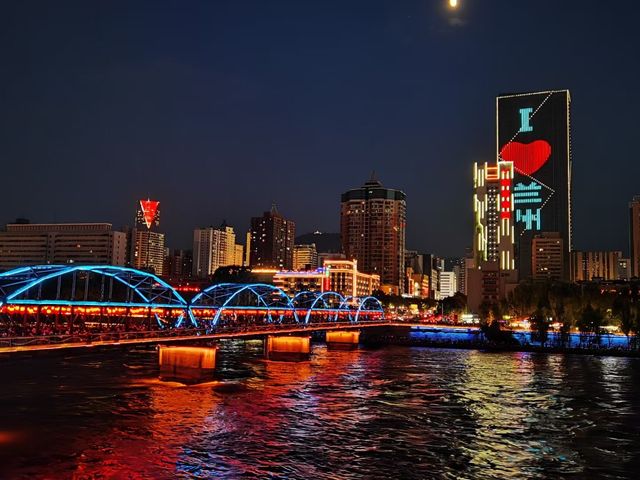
<point x="527" y="200"/>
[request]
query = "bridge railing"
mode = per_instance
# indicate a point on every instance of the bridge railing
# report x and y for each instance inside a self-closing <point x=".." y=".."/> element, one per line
<point x="98" y="338"/>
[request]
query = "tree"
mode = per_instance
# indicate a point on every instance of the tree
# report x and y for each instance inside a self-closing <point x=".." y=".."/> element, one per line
<point x="622" y="309"/>
<point x="539" y="326"/>
<point x="590" y="322"/>
<point x="233" y="274"/>
<point x="486" y="312"/>
<point x="559" y="312"/>
<point x="455" y="304"/>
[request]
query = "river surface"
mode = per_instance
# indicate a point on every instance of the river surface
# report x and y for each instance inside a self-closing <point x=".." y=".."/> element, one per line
<point x="393" y="412"/>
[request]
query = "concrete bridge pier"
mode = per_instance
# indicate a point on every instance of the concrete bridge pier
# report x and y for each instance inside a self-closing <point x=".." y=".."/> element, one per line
<point x="287" y="348"/>
<point x="187" y="364"/>
<point x="342" y="339"/>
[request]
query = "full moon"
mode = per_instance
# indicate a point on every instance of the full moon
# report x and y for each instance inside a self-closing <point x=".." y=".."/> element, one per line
<point x="453" y="3"/>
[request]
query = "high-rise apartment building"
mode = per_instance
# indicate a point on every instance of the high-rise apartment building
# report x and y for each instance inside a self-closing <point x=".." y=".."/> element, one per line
<point x="214" y="248"/>
<point x="634" y="236"/>
<point x="547" y="258"/>
<point x="534" y="136"/>
<point x="239" y="255"/>
<point x="147" y="250"/>
<point x="587" y="266"/>
<point x="60" y="243"/>
<point x="272" y="240"/>
<point x="372" y="231"/>
<point x="305" y="257"/>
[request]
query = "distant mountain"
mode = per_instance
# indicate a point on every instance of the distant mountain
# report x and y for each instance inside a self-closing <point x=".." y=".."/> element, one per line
<point x="325" y="242"/>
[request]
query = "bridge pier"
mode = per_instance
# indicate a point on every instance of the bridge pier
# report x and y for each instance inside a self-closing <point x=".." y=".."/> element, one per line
<point x="287" y="349"/>
<point x="342" y="339"/>
<point x="187" y="364"/>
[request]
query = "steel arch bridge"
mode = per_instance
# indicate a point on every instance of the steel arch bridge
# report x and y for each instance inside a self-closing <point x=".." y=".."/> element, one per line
<point x="89" y="290"/>
<point x="229" y="300"/>
<point x="66" y="292"/>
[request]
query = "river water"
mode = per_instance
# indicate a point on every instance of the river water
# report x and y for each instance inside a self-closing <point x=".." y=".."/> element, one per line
<point x="392" y="412"/>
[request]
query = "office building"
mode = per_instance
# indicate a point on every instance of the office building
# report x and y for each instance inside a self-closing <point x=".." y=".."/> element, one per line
<point x="214" y="248"/>
<point x="61" y="243"/>
<point x="624" y="269"/>
<point x="588" y="266"/>
<point x="272" y="240"/>
<point x="340" y="276"/>
<point x="416" y="278"/>
<point x="305" y="257"/>
<point x="634" y="236"/>
<point x="534" y="136"/>
<point x="448" y="284"/>
<point x="547" y="258"/>
<point x="372" y="231"/>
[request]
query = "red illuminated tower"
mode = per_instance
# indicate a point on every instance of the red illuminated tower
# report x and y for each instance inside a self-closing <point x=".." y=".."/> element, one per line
<point x="147" y="244"/>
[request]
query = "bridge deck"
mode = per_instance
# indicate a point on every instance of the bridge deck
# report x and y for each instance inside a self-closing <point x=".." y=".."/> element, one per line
<point x="59" y="342"/>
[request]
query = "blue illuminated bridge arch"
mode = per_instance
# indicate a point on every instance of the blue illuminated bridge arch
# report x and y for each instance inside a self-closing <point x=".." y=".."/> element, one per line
<point x="105" y="288"/>
<point x="65" y="284"/>
<point x="96" y="287"/>
<point x="247" y="298"/>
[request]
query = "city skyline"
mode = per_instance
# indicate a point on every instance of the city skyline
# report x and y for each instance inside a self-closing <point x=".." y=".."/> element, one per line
<point x="190" y="120"/>
<point x="294" y="239"/>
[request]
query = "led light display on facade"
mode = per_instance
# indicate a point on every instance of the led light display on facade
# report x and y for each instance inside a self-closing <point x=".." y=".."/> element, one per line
<point x="533" y="134"/>
<point x="148" y="213"/>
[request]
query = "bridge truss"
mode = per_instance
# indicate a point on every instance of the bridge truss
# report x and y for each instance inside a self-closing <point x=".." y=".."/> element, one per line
<point x="73" y="296"/>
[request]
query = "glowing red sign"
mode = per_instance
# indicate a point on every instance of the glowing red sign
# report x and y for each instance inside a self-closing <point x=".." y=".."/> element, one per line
<point x="505" y="198"/>
<point x="149" y="211"/>
<point x="527" y="158"/>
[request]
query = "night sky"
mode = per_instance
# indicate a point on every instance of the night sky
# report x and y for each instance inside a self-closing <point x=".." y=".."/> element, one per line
<point x="219" y="108"/>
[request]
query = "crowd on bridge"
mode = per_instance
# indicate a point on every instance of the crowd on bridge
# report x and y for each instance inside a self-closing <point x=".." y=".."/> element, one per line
<point x="11" y="327"/>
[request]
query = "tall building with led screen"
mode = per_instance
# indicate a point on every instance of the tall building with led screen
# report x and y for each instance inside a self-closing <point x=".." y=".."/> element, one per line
<point x="533" y="134"/>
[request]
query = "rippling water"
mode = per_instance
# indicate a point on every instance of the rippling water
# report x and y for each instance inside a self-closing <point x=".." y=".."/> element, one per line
<point x="394" y="412"/>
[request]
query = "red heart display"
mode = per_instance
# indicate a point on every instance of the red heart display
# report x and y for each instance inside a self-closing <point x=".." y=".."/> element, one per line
<point x="528" y="158"/>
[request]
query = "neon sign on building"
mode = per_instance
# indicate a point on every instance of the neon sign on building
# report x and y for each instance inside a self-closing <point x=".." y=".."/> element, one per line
<point x="149" y="213"/>
<point x="533" y="135"/>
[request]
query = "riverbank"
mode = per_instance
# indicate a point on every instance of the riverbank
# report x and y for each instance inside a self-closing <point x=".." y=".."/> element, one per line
<point x="474" y="340"/>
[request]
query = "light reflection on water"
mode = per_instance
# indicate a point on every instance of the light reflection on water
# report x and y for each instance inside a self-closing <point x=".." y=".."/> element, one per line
<point x="394" y="412"/>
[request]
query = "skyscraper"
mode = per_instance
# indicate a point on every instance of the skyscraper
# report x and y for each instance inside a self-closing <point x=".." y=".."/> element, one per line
<point x="147" y="249"/>
<point x="634" y="235"/>
<point x="272" y="240"/>
<point x="372" y="231"/>
<point x="534" y="135"/>
<point x="214" y="248"/>
<point x="492" y="207"/>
